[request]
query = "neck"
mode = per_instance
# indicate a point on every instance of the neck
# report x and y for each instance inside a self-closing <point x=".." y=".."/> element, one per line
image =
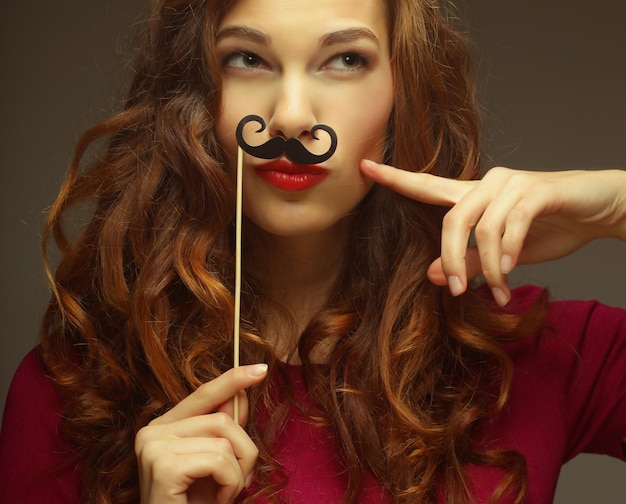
<point x="298" y="267"/>
<point x="299" y="272"/>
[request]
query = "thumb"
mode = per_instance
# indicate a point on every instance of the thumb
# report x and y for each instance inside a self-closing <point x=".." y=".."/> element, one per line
<point x="473" y="267"/>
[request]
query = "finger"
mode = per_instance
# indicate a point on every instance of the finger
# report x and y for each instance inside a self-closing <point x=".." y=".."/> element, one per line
<point x="237" y="444"/>
<point x="227" y="479"/>
<point x="476" y="211"/>
<point x="221" y="426"/>
<point x="422" y="187"/>
<point x="435" y="273"/>
<point x="519" y="222"/>
<point x="437" y="276"/>
<point x="489" y="234"/>
<point x="440" y="191"/>
<point x="175" y="474"/>
<point x="504" y="226"/>
<point x="472" y="263"/>
<point x="154" y="439"/>
<point x="455" y="235"/>
<point x="229" y="408"/>
<point x="211" y="395"/>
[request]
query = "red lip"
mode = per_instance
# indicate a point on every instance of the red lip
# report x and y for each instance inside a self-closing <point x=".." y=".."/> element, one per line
<point x="288" y="176"/>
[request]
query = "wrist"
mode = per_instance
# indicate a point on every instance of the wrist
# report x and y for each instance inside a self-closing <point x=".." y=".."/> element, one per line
<point x="618" y="219"/>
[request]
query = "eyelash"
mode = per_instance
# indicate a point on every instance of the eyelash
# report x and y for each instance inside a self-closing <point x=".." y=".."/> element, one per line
<point x="362" y="61"/>
<point x="227" y="61"/>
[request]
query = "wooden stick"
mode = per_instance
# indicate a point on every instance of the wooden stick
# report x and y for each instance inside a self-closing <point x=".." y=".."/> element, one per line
<point x="238" y="270"/>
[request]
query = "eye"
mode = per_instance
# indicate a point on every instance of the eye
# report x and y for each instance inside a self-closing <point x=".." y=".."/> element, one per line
<point x="347" y="62"/>
<point x="243" y="61"/>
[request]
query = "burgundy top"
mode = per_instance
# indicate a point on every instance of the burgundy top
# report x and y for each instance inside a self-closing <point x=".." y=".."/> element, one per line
<point x="568" y="396"/>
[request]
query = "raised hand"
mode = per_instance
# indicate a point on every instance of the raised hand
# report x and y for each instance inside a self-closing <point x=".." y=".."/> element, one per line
<point x="518" y="217"/>
<point x="196" y="452"/>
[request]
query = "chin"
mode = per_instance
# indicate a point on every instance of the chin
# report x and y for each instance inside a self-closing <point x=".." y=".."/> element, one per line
<point x="300" y="227"/>
<point x="293" y="231"/>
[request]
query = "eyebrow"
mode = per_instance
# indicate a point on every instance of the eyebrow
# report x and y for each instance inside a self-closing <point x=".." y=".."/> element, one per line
<point x="329" y="39"/>
<point x="244" y="32"/>
<point x="348" y="35"/>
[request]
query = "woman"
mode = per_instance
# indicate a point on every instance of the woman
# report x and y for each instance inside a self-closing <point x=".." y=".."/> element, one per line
<point x="366" y="380"/>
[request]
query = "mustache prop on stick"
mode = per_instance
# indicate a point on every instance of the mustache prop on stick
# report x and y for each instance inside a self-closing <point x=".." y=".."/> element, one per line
<point x="292" y="147"/>
<point x="273" y="148"/>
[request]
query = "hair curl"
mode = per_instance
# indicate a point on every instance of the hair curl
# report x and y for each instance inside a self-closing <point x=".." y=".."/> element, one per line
<point x="142" y="298"/>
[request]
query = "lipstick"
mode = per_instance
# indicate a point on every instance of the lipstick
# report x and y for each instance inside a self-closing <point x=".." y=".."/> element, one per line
<point x="287" y="176"/>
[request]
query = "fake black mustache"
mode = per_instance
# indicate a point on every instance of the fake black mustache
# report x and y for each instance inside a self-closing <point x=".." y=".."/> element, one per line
<point x="292" y="147"/>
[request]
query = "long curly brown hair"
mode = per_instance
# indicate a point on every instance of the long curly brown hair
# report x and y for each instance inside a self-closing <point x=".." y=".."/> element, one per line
<point x="142" y="306"/>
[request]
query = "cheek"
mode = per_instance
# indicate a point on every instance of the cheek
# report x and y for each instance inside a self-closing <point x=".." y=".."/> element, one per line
<point x="226" y="125"/>
<point x="371" y="122"/>
<point x="369" y="133"/>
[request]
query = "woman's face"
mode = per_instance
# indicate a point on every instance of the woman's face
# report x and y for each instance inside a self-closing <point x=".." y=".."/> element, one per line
<point x="298" y="63"/>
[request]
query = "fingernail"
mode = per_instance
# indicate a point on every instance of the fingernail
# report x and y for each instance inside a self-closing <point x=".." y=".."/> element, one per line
<point x="369" y="163"/>
<point x="257" y="370"/>
<point x="455" y="285"/>
<point x="506" y="264"/>
<point x="369" y="167"/>
<point x="500" y="296"/>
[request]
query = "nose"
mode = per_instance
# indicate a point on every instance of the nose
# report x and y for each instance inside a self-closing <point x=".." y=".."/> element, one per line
<point x="293" y="115"/>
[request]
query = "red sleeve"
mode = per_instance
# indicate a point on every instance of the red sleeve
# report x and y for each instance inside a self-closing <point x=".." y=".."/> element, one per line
<point x="568" y="393"/>
<point x="597" y="408"/>
<point x="583" y="351"/>
<point x="36" y="464"/>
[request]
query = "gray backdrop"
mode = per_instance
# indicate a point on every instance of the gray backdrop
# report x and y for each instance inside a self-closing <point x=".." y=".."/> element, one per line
<point x="553" y="78"/>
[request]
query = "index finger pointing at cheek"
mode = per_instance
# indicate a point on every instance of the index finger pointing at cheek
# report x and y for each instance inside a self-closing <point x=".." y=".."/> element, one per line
<point x="422" y="187"/>
<point x="210" y="395"/>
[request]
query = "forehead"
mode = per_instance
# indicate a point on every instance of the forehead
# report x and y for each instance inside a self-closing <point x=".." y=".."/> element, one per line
<point x="306" y="17"/>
